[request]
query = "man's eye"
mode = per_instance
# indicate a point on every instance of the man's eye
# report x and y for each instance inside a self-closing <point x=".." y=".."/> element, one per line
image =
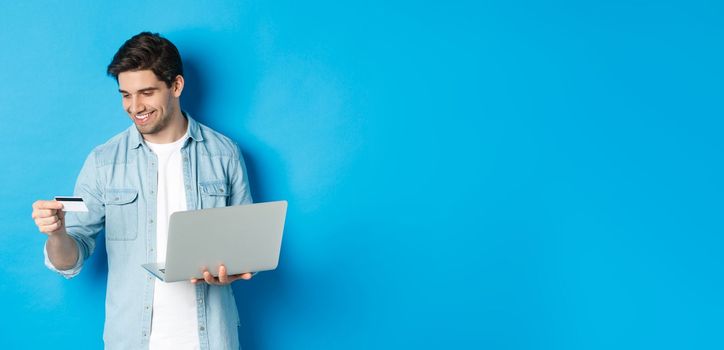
<point x="126" y="96"/>
<point x="147" y="93"/>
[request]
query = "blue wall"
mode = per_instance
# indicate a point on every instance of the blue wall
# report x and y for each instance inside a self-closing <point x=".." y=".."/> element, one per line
<point x="497" y="175"/>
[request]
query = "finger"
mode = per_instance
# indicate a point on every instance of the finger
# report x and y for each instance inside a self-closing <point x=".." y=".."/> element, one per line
<point x="47" y="221"/>
<point x="51" y="228"/>
<point x="44" y="213"/>
<point x="194" y="280"/>
<point x="47" y="204"/>
<point x="223" y="277"/>
<point x="231" y="278"/>
<point x="244" y="276"/>
<point x="208" y="278"/>
<point x="39" y="204"/>
<point x="53" y="220"/>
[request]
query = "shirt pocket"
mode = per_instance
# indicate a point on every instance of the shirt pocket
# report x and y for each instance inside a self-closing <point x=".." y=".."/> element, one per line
<point x="214" y="194"/>
<point x="121" y="214"/>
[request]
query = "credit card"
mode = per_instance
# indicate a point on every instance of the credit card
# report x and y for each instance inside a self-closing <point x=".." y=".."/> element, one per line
<point x="72" y="203"/>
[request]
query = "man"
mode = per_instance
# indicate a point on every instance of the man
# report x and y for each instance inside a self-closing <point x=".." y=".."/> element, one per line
<point x="165" y="162"/>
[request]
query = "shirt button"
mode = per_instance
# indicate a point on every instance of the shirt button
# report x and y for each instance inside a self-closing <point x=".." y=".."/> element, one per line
<point x="152" y="191"/>
<point x="151" y="220"/>
<point x="117" y="198"/>
<point x="201" y="328"/>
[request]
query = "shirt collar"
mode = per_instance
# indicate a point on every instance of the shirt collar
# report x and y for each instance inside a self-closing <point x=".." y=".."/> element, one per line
<point x="194" y="132"/>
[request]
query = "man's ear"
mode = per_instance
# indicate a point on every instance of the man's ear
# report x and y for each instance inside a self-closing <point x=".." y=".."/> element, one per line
<point x="177" y="86"/>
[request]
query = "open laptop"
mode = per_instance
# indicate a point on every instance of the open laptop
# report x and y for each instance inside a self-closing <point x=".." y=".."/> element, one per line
<point x="244" y="238"/>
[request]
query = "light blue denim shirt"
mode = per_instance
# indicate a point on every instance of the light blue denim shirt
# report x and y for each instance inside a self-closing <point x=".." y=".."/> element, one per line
<point x="118" y="183"/>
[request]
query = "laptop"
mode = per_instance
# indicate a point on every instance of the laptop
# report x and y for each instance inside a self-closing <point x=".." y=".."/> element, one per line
<point x="244" y="238"/>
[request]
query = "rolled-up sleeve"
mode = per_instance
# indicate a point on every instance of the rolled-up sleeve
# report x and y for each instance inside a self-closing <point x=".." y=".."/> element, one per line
<point x="69" y="273"/>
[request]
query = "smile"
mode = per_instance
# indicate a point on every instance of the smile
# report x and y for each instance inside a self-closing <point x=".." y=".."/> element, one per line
<point x="142" y="117"/>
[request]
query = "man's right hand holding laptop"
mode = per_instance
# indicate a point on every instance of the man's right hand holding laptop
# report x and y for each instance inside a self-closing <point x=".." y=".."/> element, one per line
<point x="223" y="278"/>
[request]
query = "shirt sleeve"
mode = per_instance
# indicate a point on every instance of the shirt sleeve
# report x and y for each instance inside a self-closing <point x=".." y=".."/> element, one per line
<point x="82" y="227"/>
<point x="69" y="273"/>
<point x="239" y="181"/>
<point x="240" y="192"/>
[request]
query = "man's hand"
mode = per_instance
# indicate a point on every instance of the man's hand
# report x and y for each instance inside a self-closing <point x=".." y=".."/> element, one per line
<point x="49" y="217"/>
<point x="223" y="278"/>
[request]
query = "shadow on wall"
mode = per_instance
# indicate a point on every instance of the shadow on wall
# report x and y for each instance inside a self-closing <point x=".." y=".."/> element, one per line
<point x="256" y="297"/>
<point x="193" y="94"/>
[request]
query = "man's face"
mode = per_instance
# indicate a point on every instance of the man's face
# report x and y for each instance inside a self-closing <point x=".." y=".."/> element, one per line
<point x="148" y="101"/>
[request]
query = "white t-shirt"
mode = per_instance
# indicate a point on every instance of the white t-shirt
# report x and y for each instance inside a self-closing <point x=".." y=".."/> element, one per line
<point x="174" y="322"/>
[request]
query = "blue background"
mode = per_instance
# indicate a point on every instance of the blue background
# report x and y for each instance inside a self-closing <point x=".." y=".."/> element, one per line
<point x="491" y="175"/>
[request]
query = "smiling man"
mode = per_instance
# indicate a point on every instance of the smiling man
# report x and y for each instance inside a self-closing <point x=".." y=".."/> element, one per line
<point x="165" y="162"/>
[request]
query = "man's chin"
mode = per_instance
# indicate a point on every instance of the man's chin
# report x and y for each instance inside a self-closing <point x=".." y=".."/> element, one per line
<point x="145" y="129"/>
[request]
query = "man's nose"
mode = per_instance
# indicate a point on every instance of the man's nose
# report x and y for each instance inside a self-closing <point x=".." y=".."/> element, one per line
<point x="136" y="105"/>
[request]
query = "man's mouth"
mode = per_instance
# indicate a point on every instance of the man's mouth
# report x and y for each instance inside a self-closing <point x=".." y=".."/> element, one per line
<point x="142" y="117"/>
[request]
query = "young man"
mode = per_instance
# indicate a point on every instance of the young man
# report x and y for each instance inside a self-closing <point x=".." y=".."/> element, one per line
<point x="165" y="162"/>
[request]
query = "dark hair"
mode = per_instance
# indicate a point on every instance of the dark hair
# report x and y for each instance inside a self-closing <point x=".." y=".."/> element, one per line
<point x="148" y="51"/>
